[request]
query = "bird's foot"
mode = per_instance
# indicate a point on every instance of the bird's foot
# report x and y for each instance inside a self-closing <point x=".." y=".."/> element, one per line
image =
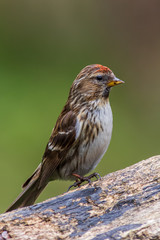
<point x="81" y="179"/>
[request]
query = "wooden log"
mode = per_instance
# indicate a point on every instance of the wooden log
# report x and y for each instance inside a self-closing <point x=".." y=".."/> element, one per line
<point x="123" y="205"/>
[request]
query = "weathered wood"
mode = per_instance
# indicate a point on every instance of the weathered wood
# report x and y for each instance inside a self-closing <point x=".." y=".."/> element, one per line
<point x="123" y="205"/>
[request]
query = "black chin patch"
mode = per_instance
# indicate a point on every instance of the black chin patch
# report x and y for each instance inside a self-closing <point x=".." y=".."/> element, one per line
<point x="106" y="93"/>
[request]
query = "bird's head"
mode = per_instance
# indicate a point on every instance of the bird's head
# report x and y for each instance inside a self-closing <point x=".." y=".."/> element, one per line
<point x="93" y="83"/>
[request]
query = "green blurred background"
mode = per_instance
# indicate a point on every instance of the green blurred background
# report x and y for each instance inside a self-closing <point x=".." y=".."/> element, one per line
<point x="43" y="46"/>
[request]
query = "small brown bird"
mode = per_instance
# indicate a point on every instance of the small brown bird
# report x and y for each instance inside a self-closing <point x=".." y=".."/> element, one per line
<point x="80" y="137"/>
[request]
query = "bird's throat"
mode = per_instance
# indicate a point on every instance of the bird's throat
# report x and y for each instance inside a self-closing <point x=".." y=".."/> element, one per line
<point x="106" y="93"/>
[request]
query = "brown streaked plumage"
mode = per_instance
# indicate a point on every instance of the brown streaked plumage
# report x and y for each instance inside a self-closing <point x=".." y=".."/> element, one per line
<point x="80" y="137"/>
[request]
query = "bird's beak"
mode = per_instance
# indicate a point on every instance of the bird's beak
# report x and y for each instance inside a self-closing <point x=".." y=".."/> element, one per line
<point x="113" y="82"/>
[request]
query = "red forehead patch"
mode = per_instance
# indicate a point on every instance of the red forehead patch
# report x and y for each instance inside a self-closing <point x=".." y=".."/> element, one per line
<point x="102" y="69"/>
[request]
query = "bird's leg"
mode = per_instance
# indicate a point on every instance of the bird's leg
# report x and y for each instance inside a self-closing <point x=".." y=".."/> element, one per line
<point x="81" y="179"/>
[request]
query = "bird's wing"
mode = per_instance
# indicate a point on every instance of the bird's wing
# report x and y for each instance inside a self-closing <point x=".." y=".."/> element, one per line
<point x="61" y="140"/>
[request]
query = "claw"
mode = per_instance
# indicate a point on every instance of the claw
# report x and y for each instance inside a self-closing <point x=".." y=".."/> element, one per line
<point x="81" y="179"/>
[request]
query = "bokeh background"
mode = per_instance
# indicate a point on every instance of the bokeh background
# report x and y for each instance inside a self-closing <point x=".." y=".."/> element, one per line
<point x="43" y="46"/>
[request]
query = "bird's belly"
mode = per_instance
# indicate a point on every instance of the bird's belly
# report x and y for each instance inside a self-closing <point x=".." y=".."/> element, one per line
<point x="96" y="151"/>
<point x="89" y="153"/>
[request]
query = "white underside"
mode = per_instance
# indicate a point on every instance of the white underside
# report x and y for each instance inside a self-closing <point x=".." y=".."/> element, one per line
<point x="100" y="145"/>
<point x="89" y="156"/>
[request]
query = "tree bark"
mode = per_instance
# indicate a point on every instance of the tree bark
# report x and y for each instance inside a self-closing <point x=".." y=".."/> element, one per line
<point x="122" y="205"/>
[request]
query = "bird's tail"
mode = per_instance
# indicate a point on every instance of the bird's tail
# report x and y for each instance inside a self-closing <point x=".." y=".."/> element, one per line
<point x="31" y="191"/>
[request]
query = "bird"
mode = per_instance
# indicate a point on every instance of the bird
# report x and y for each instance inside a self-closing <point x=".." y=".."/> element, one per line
<point x="81" y="135"/>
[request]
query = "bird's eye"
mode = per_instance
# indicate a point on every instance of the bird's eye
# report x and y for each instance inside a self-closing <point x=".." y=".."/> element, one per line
<point x="99" y="77"/>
